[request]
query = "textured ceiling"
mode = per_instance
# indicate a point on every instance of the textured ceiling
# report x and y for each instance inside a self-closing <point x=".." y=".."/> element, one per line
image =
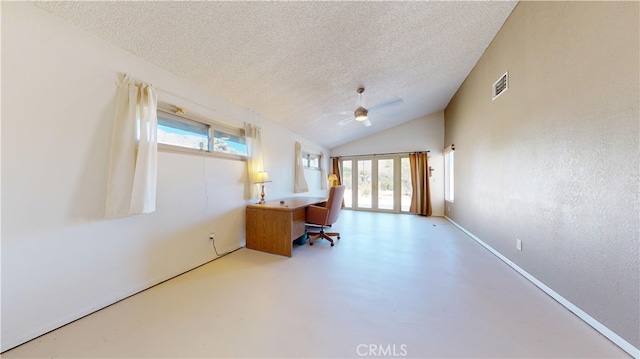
<point x="299" y="63"/>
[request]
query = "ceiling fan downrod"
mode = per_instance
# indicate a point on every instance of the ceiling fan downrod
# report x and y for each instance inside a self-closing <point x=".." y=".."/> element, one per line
<point x="361" y="113"/>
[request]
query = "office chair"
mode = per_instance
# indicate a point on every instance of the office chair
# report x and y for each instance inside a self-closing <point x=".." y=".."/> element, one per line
<point x="325" y="215"/>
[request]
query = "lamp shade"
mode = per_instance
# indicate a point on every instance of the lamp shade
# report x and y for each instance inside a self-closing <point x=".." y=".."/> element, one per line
<point x="262" y="177"/>
<point x="333" y="177"/>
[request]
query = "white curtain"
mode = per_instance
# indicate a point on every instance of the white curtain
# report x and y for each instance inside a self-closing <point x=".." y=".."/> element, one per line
<point x="299" y="182"/>
<point x="323" y="172"/>
<point x="255" y="162"/>
<point x="131" y="187"/>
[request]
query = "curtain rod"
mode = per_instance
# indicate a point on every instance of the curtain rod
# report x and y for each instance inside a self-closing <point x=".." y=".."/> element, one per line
<point x="166" y="92"/>
<point x="383" y="154"/>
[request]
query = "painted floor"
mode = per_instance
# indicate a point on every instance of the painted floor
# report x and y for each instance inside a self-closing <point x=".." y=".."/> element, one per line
<point x="393" y="286"/>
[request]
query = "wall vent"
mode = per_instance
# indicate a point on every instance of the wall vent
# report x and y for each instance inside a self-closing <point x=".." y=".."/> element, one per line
<point x="501" y="85"/>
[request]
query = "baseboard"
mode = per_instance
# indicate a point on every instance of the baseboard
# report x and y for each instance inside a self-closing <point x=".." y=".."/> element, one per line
<point x="13" y="343"/>
<point x="615" y="338"/>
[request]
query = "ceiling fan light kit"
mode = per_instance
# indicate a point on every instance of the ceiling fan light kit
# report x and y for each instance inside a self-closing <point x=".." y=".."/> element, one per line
<point x="361" y="114"/>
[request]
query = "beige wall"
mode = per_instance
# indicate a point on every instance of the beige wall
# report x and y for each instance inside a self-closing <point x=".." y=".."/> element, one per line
<point x="554" y="160"/>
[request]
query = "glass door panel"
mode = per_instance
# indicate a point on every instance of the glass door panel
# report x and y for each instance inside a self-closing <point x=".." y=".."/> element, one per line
<point x="405" y="180"/>
<point x="347" y="181"/>
<point x="364" y="184"/>
<point x="385" y="184"/>
<point x="377" y="184"/>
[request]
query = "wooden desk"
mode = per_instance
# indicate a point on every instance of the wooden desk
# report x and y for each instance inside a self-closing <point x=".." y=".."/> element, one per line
<point x="273" y="226"/>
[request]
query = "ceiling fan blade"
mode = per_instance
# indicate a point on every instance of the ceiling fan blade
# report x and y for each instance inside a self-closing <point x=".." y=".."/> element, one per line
<point x="346" y="121"/>
<point x="363" y="111"/>
<point x="381" y="106"/>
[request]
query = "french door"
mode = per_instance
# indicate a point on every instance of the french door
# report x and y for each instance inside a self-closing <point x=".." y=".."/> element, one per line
<point x="377" y="183"/>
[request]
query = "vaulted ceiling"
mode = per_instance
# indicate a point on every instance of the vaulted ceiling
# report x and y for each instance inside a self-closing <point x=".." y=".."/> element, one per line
<point x="300" y="63"/>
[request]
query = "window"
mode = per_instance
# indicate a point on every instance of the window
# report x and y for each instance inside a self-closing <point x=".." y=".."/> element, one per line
<point x="183" y="133"/>
<point x="191" y="133"/>
<point x="448" y="173"/>
<point x="228" y="143"/>
<point x="310" y="160"/>
<point x="377" y="183"/>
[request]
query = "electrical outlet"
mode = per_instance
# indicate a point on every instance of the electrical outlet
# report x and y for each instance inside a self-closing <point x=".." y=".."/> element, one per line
<point x="519" y="244"/>
<point x="212" y="235"/>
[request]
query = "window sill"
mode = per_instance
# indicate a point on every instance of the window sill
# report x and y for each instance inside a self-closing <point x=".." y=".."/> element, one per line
<point x="193" y="152"/>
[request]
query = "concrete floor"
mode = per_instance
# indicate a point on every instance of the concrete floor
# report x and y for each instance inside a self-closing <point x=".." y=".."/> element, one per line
<point x="393" y="286"/>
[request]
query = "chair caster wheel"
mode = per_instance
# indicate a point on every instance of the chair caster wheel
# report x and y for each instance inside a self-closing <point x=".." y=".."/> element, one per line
<point x="338" y="237"/>
<point x="332" y="244"/>
<point x="310" y="243"/>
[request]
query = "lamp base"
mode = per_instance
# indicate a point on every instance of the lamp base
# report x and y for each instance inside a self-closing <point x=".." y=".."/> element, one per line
<point x="262" y="196"/>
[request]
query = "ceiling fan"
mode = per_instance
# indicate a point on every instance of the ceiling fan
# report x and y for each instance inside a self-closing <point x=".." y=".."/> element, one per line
<point x="361" y="114"/>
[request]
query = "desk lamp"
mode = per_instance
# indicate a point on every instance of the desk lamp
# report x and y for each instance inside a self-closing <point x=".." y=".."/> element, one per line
<point x="262" y="177"/>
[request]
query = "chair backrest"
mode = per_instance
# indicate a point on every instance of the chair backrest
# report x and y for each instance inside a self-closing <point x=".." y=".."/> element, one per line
<point x="334" y="203"/>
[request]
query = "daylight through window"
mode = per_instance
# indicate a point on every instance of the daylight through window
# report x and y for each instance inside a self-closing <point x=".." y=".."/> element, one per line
<point x="190" y="133"/>
<point x="448" y="173"/>
<point x="310" y="160"/>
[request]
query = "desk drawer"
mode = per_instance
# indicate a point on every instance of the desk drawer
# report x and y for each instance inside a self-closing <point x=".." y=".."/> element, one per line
<point x="298" y="214"/>
<point x="297" y="226"/>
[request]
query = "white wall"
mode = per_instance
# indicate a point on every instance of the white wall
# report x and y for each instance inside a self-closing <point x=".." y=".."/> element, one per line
<point x="60" y="258"/>
<point x="421" y="134"/>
